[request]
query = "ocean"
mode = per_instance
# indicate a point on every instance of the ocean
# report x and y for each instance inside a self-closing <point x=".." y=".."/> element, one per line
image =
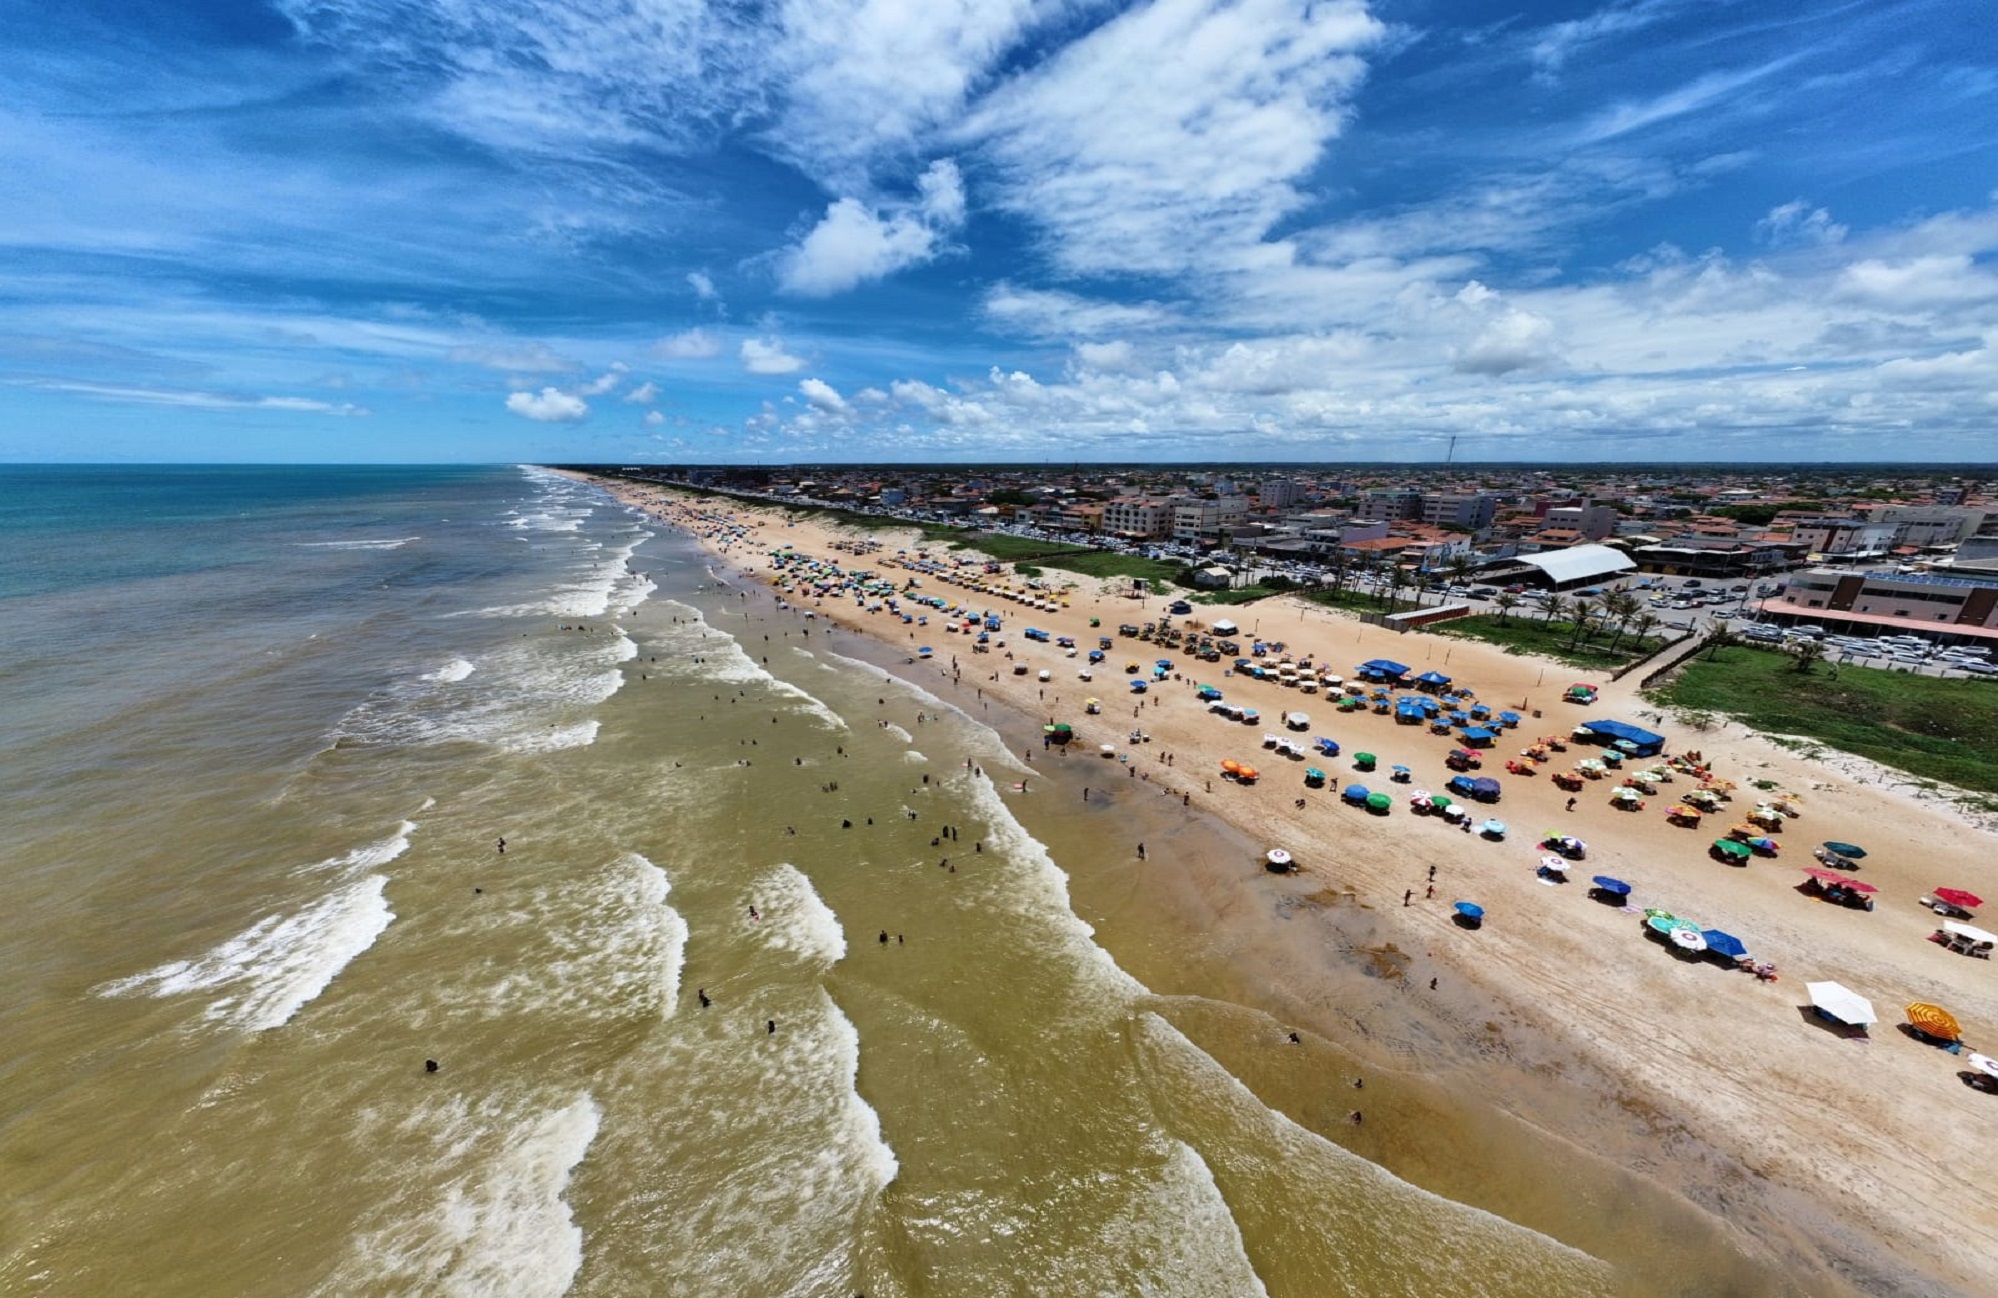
<point x="769" y="993"/>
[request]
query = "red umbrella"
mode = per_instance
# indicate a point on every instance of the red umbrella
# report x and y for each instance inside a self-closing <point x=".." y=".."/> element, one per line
<point x="1958" y="897"/>
<point x="1853" y="885"/>
<point x="1825" y="876"/>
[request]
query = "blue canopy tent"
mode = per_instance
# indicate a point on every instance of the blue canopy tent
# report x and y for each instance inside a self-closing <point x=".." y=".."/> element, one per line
<point x="1329" y="747"/>
<point x="1431" y="680"/>
<point x="1478" y="736"/>
<point x="1614" y="887"/>
<point x="1382" y="669"/>
<point x="1508" y="718"/>
<point x="1646" y="743"/>
<point x="1485" y="789"/>
<point x="1725" y="944"/>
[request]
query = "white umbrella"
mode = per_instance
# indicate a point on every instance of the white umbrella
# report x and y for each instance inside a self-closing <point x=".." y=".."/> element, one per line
<point x="1557" y="864"/>
<point x="1690" y="939"/>
<point x="1984" y="1064"/>
<point x="1298" y="719"/>
<point x="1842" y="1003"/>
<point x="1277" y="856"/>
<point x="1970" y="931"/>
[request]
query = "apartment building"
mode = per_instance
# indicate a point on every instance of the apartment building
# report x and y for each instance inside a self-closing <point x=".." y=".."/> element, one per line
<point x="1280" y="493"/>
<point x="1138" y="517"/>
<point x="1195" y="519"/>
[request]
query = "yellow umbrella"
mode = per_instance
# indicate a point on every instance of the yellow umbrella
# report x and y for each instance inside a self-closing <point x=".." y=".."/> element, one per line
<point x="1934" y="1020"/>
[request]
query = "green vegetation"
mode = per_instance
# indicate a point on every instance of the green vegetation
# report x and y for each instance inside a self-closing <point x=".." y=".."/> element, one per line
<point x="1556" y="640"/>
<point x="1927" y="726"/>
<point x="1354" y="601"/>
<point x="1108" y="563"/>
<point x="1240" y="595"/>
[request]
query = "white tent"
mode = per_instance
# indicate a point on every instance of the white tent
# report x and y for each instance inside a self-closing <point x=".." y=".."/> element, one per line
<point x="1969" y="931"/>
<point x="1842" y="1003"/>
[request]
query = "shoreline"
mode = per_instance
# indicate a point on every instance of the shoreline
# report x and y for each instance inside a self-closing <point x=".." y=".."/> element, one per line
<point x="1817" y="1178"/>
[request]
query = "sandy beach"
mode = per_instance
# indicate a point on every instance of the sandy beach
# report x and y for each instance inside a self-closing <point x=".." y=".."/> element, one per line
<point x="1834" y="1156"/>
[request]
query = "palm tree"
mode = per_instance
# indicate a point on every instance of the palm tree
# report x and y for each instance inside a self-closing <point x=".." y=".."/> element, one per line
<point x="1643" y="625"/>
<point x="1620" y="607"/>
<point x="1721" y="637"/>
<point x="1584" y="616"/>
<point x="1505" y="603"/>
<point x="1557" y="607"/>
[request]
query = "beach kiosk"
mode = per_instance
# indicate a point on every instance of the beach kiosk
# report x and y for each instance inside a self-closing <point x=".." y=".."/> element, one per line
<point x="1622" y="737"/>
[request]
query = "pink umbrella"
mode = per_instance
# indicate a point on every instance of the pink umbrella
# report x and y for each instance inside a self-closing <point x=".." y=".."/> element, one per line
<point x="1959" y="898"/>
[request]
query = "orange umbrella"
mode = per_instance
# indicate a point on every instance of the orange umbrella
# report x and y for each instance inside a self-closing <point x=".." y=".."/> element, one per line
<point x="1246" y="773"/>
<point x="1934" y="1021"/>
<point x="1231" y="766"/>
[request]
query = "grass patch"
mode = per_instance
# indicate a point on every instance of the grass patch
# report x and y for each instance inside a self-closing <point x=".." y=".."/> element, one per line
<point x="1929" y="727"/>
<point x="1353" y="601"/>
<point x="1527" y="635"/>
<point x="1240" y="595"/>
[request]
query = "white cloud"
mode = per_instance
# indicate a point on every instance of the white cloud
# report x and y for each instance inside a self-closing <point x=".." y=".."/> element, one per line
<point x="1175" y="131"/>
<point x="196" y="400"/>
<point x="1051" y="313"/>
<point x="1115" y="356"/>
<point x="767" y="356"/>
<point x="644" y="394"/>
<point x="605" y="382"/>
<point x="1919" y="283"/>
<point x="704" y="287"/>
<point x="549" y="406"/>
<point x="1513" y="340"/>
<point x="1799" y="224"/>
<point x="689" y="345"/>
<point x="821" y="395"/>
<point x="520" y="357"/>
<point x="854" y="243"/>
<point x="654" y="419"/>
<point x="1558" y="42"/>
<point x="1712" y="88"/>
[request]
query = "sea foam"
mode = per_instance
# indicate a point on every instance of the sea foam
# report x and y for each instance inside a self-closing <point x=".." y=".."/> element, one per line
<point x="279" y="964"/>
<point x="501" y="1228"/>
<point x="796" y="919"/>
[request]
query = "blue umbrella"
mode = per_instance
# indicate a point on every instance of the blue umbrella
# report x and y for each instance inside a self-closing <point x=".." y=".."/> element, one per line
<point x="1469" y="910"/>
<point x="1616" y="886"/>
<point x="1355" y="793"/>
<point x="1726" y="944"/>
<point x="1511" y="718"/>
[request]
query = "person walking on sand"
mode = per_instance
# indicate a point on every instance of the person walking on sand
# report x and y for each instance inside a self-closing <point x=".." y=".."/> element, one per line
<point x="1407" y="896"/>
<point x="502" y="847"/>
<point x="1141" y="851"/>
<point x="1571" y="804"/>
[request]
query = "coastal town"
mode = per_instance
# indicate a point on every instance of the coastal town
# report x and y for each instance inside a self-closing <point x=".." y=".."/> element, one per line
<point x="1899" y="570"/>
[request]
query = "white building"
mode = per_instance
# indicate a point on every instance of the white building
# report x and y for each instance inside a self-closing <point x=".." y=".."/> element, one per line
<point x="1194" y="519"/>
<point x="1138" y="517"/>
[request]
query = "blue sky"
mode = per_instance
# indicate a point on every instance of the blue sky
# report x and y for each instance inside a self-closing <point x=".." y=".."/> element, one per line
<point x="811" y="230"/>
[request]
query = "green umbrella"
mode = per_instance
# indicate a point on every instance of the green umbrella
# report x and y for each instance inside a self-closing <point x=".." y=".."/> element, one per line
<point x="1379" y="801"/>
<point x="1366" y="759"/>
<point x="1728" y="847"/>
<point x="1439" y="802"/>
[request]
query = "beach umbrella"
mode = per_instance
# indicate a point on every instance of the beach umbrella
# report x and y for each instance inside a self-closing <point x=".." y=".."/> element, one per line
<point x="1958" y="898"/>
<point x="1851" y="851"/>
<point x="1837" y="1001"/>
<point x="1440" y="801"/>
<point x="1969" y="932"/>
<point x="1277" y="858"/>
<point x="1934" y="1021"/>
<point x="1983" y="1063"/>
<point x="1615" y="887"/>
<point x="1399" y="769"/>
<point x="1687" y="937"/>
<point x="1823" y="875"/>
<point x="1420" y="796"/>
<point x="1469" y="909"/>
<point x="1624" y="795"/>
<point x="1768" y="845"/>
<point x="1726" y="944"/>
<point x="1312" y="773"/>
<point x="1661" y="921"/>
<point x="1496" y="828"/>
<point x="1247" y="774"/>
<point x="1379" y="802"/>
<point x="1365" y="759"/>
<point x="1554" y="863"/>
<point x="1298" y="719"/>
<point x="1729" y="848"/>
<point x="1454" y="813"/>
<point x="1626" y="745"/>
<point x="1108" y="750"/>
<point x="1229" y="766"/>
<point x="1355" y="793"/>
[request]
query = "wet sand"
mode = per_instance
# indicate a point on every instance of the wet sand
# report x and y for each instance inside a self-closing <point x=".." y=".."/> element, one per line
<point x="1686" y="1122"/>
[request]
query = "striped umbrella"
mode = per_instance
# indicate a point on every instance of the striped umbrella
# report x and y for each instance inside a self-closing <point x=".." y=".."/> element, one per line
<point x="1934" y="1021"/>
